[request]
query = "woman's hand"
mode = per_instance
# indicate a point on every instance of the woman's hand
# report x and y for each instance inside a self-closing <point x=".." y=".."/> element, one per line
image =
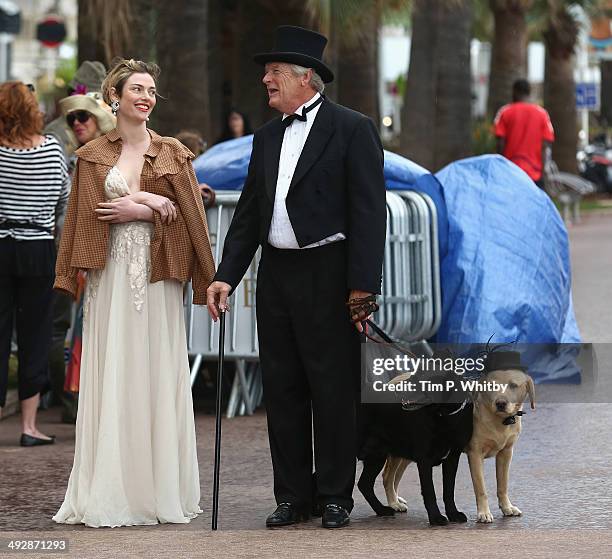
<point x="160" y="204"/>
<point x="122" y="210"/>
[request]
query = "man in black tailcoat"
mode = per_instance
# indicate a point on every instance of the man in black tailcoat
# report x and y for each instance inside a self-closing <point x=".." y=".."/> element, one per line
<point x="314" y="199"/>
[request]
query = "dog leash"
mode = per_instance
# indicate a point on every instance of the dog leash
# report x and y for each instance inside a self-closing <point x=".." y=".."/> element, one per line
<point x="407" y="405"/>
<point x="379" y="331"/>
<point x="384" y="336"/>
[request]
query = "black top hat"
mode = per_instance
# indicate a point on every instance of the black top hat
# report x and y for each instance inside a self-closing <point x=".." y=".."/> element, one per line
<point x="503" y="360"/>
<point x="298" y="46"/>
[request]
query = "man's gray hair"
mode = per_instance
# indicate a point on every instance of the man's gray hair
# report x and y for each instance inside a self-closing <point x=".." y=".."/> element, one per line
<point x="315" y="81"/>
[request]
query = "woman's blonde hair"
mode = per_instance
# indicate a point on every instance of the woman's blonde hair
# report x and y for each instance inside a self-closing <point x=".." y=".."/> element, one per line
<point x="121" y="69"/>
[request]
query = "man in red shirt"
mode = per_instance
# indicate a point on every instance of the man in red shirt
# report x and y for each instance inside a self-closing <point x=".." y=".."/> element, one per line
<point x="524" y="132"/>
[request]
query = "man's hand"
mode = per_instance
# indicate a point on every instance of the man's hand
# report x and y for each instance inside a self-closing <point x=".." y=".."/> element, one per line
<point x="216" y="298"/>
<point x="359" y="317"/>
<point x="208" y="195"/>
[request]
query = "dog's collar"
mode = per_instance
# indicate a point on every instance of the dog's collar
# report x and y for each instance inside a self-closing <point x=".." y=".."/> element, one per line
<point x="511" y="419"/>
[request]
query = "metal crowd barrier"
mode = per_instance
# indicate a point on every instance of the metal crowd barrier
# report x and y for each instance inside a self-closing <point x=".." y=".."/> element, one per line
<point x="410" y="301"/>
<point x="241" y="325"/>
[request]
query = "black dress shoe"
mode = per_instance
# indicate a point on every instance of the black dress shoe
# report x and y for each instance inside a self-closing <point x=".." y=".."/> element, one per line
<point x="29" y="440"/>
<point x="285" y="515"/>
<point x="335" y="516"/>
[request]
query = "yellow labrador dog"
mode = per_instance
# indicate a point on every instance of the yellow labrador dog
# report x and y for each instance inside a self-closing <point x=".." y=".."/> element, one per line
<point x="497" y="426"/>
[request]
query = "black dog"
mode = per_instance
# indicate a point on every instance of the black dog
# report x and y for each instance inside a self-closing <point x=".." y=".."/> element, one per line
<point x="431" y="435"/>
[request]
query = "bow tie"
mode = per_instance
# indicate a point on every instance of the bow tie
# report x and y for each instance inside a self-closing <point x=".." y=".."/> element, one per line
<point x="287" y="121"/>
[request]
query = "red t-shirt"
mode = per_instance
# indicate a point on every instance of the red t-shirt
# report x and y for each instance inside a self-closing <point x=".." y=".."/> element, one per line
<point x="524" y="126"/>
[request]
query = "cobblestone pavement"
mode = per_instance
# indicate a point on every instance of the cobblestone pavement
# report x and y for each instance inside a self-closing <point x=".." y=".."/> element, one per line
<point x="561" y="478"/>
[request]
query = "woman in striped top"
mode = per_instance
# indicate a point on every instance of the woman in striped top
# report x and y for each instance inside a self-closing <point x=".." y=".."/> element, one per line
<point x="34" y="186"/>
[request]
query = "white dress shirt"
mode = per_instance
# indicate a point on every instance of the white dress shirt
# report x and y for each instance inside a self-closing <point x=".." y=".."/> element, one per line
<point x="281" y="231"/>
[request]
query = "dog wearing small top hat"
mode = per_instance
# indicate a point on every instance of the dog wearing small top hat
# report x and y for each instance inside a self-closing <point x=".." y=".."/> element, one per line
<point x="497" y="426"/>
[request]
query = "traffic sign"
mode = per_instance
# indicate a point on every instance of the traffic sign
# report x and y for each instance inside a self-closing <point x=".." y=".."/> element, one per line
<point x="586" y="96"/>
<point x="51" y="31"/>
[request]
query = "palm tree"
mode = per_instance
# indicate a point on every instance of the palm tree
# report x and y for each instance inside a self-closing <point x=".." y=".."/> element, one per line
<point x="606" y="92"/>
<point x="252" y="32"/>
<point x="182" y="53"/>
<point x="601" y="16"/>
<point x="217" y="54"/>
<point x="353" y="30"/>
<point x="353" y="27"/>
<point x="89" y="47"/>
<point x="358" y="67"/>
<point x="143" y="24"/>
<point x="509" y="52"/>
<point x="436" y="116"/>
<point x="110" y="28"/>
<point x="561" y="38"/>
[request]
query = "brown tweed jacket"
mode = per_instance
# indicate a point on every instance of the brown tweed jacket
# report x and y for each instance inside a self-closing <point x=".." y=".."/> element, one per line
<point x="180" y="250"/>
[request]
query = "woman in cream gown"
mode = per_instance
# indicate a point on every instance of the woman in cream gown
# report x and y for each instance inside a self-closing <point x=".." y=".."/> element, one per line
<point x="135" y="457"/>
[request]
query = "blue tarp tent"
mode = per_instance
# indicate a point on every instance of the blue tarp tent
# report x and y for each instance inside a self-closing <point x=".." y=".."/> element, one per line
<point x="505" y="266"/>
<point x="224" y="166"/>
<point x="506" y="269"/>
<point x="504" y="252"/>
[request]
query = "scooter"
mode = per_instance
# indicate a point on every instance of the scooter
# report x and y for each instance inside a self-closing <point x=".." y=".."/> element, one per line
<point x="595" y="164"/>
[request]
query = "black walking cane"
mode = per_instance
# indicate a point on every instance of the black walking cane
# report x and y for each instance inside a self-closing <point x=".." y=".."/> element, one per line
<point x="215" y="507"/>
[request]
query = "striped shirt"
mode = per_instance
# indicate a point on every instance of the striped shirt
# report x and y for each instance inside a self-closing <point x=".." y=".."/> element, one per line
<point x="34" y="189"/>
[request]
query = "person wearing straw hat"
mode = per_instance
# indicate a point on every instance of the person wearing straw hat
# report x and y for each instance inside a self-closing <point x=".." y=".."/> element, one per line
<point x="87" y="79"/>
<point x="87" y="116"/>
<point x="314" y="199"/>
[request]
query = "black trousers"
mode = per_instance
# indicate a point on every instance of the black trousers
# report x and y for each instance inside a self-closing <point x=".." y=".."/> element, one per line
<point x="62" y="311"/>
<point x="26" y="291"/>
<point x="309" y="353"/>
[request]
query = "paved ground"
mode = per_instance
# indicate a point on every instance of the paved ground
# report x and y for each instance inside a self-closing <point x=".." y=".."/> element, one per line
<point x="561" y="478"/>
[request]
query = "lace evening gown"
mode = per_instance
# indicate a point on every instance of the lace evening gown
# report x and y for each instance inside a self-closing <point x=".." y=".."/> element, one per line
<point x="135" y="457"/>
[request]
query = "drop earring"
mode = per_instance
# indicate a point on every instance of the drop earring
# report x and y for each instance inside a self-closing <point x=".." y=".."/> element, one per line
<point x="115" y="107"/>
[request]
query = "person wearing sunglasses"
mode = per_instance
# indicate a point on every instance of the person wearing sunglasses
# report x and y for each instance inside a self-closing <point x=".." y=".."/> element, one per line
<point x="87" y="116"/>
<point x="65" y="380"/>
